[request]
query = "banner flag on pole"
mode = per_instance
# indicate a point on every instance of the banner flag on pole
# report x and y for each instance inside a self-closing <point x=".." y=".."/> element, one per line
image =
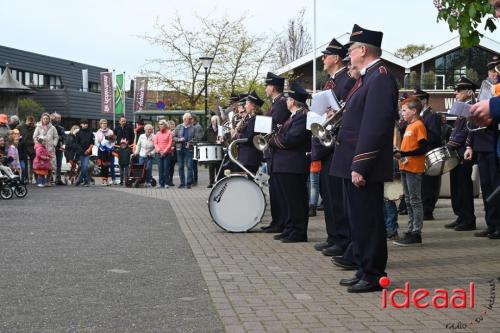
<point x="119" y="95"/>
<point x="141" y="93"/>
<point x="107" y="103"/>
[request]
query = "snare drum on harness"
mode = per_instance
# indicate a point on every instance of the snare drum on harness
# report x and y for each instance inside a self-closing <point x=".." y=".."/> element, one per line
<point x="205" y="152"/>
<point x="440" y="161"/>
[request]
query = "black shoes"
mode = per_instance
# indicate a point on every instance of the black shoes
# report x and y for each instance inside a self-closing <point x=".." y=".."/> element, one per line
<point x="273" y="230"/>
<point x="188" y="187"/>
<point x="494" y="235"/>
<point x="349" y="282"/>
<point x="452" y="225"/>
<point x="279" y="236"/>
<point x="343" y="263"/>
<point x="409" y="239"/>
<point x="333" y="251"/>
<point x="312" y="211"/>
<point x="484" y="233"/>
<point x="59" y="182"/>
<point x="210" y="185"/>
<point x="322" y="245"/>
<point x="465" y="227"/>
<point x="181" y="186"/>
<point x="363" y="287"/>
<point x="293" y="240"/>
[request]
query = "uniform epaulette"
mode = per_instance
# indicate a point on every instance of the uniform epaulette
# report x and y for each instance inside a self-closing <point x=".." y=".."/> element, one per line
<point x="382" y="70"/>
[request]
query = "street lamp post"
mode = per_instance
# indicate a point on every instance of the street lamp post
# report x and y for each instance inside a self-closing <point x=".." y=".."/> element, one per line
<point x="206" y="62"/>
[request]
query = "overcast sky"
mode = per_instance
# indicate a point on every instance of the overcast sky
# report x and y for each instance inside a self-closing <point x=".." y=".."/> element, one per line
<point x="74" y="30"/>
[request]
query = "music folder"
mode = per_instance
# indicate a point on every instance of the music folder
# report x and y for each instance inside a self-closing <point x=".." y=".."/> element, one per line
<point x="263" y="124"/>
<point x="323" y="100"/>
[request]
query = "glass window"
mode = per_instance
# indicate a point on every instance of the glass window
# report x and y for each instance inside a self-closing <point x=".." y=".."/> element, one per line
<point x="41" y="80"/>
<point x="27" y="78"/>
<point x="34" y="79"/>
<point x="58" y="82"/>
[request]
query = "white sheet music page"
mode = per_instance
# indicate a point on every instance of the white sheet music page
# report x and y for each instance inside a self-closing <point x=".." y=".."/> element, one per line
<point x="322" y="100"/>
<point x="263" y="124"/>
<point x="460" y="109"/>
<point x="314" y="118"/>
<point x="485" y="92"/>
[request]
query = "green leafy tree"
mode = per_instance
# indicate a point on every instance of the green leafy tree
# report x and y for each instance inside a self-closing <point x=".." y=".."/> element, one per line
<point x="29" y="107"/>
<point x="465" y="16"/>
<point x="411" y="51"/>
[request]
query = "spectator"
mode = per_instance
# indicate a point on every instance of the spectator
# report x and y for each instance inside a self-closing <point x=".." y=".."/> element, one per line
<point x="13" y="152"/>
<point x="45" y="129"/>
<point x="145" y="148"/>
<point x="42" y="163"/>
<point x="212" y="136"/>
<point x="124" y="153"/>
<point x="184" y="136"/>
<point x="72" y="150"/>
<point x="198" y="130"/>
<point x="55" y="119"/>
<point x="4" y="129"/>
<point x="27" y="148"/>
<point x="105" y="156"/>
<point x="139" y="129"/>
<point x="100" y="135"/>
<point x="124" y="131"/>
<point x="163" y="146"/>
<point x="85" y="141"/>
<point x="14" y="122"/>
<point x="173" y="156"/>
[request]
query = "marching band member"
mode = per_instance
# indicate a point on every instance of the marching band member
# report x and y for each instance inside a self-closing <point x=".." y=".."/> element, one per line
<point x="481" y="144"/>
<point x="331" y="189"/>
<point x="279" y="113"/>
<point x="363" y="157"/>
<point x="290" y="167"/>
<point x="462" y="194"/>
<point x="239" y="116"/>
<point x="430" y="184"/>
<point x="248" y="155"/>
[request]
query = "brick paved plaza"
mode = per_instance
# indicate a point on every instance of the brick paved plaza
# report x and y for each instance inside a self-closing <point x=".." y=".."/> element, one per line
<point x="258" y="284"/>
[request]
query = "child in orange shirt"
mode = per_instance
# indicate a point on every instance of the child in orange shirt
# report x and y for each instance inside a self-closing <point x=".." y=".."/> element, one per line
<point x="412" y="166"/>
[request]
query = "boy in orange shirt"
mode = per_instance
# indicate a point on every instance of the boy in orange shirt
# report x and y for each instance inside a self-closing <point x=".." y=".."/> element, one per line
<point x="412" y="166"/>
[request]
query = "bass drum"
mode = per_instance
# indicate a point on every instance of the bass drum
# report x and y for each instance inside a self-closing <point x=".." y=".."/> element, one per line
<point x="236" y="204"/>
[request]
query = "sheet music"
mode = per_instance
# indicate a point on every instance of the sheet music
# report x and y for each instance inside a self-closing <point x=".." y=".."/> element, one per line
<point x="220" y="130"/>
<point x="263" y="124"/>
<point x="485" y="91"/>
<point x="460" y="109"/>
<point x="322" y="100"/>
<point x="314" y="118"/>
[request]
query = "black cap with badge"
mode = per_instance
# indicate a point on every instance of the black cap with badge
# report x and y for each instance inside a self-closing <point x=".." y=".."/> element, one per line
<point x="274" y="80"/>
<point x="495" y="60"/>
<point x="365" y="36"/>
<point x="255" y="99"/>
<point x="420" y="94"/>
<point x="465" y="84"/>
<point x="335" y="48"/>
<point x="297" y="93"/>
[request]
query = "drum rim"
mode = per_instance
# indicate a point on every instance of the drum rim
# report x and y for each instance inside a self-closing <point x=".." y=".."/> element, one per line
<point x="236" y="176"/>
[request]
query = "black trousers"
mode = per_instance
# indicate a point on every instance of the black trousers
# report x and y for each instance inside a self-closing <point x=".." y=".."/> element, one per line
<point x="212" y="170"/>
<point x="336" y="221"/>
<point x="366" y="217"/>
<point x="293" y="188"/>
<point x="462" y="195"/>
<point x="489" y="176"/>
<point x="278" y="204"/>
<point x="431" y="185"/>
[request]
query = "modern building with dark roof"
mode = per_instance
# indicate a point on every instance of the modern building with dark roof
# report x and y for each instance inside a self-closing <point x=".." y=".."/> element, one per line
<point x="59" y="85"/>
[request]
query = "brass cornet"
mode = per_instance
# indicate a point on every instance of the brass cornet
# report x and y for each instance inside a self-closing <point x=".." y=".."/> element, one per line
<point x="327" y="131"/>
<point x="261" y="142"/>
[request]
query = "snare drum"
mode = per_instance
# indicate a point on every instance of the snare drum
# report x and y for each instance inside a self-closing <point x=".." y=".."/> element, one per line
<point x="208" y="152"/>
<point x="440" y="161"/>
<point x="236" y="204"/>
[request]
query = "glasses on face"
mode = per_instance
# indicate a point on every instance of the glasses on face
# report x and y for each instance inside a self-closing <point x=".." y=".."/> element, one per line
<point x="349" y="52"/>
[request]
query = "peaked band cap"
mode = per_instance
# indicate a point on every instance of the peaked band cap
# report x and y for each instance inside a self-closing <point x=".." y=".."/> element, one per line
<point x="255" y="99"/>
<point x="297" y="93"/>
<point x="335" y="48"/>
<point x="465" y="83"/>
<point x="420" y="94"/>
<point x="362" y="35"/>
<point x="274" y="80"/>
<point x="495" y="60"/>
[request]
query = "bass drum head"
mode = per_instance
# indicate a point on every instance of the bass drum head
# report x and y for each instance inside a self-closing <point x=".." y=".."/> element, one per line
<point x="236" y="204"/>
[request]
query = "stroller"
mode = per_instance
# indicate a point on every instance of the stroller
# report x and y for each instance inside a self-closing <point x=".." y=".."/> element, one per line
<point x="10" y="184"/>
<point x="137" y="173"/>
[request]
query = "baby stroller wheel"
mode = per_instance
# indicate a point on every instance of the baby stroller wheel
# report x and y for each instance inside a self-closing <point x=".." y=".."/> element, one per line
<point x="153" y="182"/>
<point x="20" y="191"/>
<point x="6" y="193"/>
<point x="128" y="182"/>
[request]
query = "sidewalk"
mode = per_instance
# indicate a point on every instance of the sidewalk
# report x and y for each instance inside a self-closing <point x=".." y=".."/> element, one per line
<point x="258" y="284"/>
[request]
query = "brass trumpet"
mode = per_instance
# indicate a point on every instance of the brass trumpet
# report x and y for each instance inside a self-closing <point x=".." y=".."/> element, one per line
<point x="327" y="131"/>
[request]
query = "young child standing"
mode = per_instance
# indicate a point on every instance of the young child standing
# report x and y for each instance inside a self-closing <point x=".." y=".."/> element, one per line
<point x="42" y="162"/>
<point x="105" y="156"/>
<point x="124" y="153"/>
<point x="412" y="165"/>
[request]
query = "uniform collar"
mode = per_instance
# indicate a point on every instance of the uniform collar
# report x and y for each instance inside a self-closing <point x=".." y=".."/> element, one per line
<point x="370" y="65"/>
<point x="337" y="72"/>
<point x="425" y="110"/>
<point x="277" y="97"/>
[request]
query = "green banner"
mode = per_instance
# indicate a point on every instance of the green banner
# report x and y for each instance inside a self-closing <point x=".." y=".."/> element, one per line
<point x="119" y="95"/>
